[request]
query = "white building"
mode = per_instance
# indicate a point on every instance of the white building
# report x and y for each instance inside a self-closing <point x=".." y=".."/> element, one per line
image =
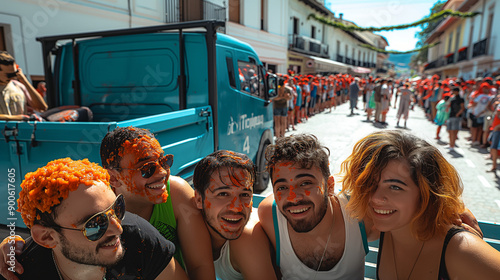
<point x="316" y="47"/>
<point x="468" y="47"/>
<point x="22" y="21"/>
<point x="262" y="24"/>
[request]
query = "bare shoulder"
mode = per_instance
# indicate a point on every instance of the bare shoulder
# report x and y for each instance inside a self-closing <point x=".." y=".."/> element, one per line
<point x="471" y="257"/>
<point x="266" y="216"/>
<point x="182" y="197"/>
<point x="180" y="189"/>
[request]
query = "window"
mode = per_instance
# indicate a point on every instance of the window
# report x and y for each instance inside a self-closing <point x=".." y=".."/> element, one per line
<point x="457" y="38"/>
<point x="338" y="47"/>
<point x="230" y="71"/>
<point x="295" y="26"/>
<point x="263" y="9"/>
<point x="450" y="40"/>
<point x="313" y="32"/>
<point x="250" y="80"/>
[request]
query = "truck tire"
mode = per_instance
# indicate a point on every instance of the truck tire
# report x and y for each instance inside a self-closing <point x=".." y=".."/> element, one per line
<point x="262" y="180"/>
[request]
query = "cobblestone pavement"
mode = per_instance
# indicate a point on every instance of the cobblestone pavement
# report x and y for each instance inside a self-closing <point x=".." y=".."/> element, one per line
<point x="339" y="132"/>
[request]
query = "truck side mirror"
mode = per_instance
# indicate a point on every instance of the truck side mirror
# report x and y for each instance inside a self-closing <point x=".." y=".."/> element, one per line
<point x="272" y="86"/>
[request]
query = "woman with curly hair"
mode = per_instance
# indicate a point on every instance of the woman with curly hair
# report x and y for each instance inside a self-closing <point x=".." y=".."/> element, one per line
<point x="412" y="194"/>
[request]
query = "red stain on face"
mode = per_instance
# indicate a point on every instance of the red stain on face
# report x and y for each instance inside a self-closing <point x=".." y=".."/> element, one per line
<point x="142" y="147"/>
<point x="308" y="193"/>
<point x="292" y="195"/>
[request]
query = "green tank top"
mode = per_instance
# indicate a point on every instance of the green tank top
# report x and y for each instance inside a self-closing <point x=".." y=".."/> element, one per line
<point x="163" y="219"/>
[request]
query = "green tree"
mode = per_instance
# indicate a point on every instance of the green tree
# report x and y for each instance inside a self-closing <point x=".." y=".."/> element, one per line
<point x="427" y="29"/>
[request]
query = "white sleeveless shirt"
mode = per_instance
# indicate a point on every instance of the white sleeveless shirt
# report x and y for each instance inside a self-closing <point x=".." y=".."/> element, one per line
<point x="350" y="266"/>
<point x="223" y="268"/>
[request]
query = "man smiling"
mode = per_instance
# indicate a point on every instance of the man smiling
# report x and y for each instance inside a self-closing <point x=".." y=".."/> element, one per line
<point x="313" y="235"/>
<point x="77" y="229"/>
<point x="223" y="184"/>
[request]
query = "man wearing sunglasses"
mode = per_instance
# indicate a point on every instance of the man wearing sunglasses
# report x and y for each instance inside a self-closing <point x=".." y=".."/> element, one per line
<point x="223" y="183"/>
<point x="79" y="229"/>
<point x="16" y="92"/>
<point x="140" y="171"/>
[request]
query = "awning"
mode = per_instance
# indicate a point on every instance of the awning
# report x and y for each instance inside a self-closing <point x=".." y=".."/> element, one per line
<point x="328" y="65"/>
<point x="361" y="70"/>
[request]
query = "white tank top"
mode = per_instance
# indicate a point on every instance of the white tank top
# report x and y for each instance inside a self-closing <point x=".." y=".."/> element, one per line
<point x="350" y="266"/>
<point x="223" y="268"/>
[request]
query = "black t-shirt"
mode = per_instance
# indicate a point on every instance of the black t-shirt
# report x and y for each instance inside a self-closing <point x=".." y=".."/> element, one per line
<point x="147" y="253"/>
<point x="455" y="107"/>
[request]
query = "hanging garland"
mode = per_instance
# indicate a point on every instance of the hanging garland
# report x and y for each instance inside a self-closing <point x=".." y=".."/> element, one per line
<point x="431" y="18"/>
<point x="397" y="52"/>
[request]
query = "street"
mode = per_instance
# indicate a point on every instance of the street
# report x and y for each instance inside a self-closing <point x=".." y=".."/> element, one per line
<point x="339" y="132"/>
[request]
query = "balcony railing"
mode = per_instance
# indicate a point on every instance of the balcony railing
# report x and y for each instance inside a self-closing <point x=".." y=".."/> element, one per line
<point x="354" y="62"/>
<point x="450" y="59"/>
<point x="480" y="48"/>
<point x="347" y="60"/>
<point x="462" y="54"/>
<point x="308" y="45"/>
<point x="172" y="13"/>
<point x="213" y="11"/>
<point x="340" y="58"/>
<point x="436" y="63"/>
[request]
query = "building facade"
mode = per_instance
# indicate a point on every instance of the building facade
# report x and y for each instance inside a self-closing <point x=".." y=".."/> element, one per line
<point x="314" y="47"/>
<point x="468" y="47"/>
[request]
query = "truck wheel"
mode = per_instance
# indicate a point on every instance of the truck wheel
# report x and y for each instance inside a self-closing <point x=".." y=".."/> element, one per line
<point x="262" y="180"/>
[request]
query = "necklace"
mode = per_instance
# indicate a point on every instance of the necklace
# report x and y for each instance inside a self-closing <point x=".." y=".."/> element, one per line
<point x="328" y="240"/>
<point x="59" y="272"/>
<point x="394" y="259"/>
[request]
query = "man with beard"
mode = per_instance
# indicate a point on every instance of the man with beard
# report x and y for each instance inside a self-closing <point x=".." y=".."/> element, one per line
<point x="223" y="183"/>
<point x="77" y="231"/>
<point x="313" y="235"/>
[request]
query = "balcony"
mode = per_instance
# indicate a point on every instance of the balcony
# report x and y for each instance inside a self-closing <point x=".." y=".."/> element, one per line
<point x="213" y="11"/>
<point x="347" y="60"/>
<point x="435" y="64"/>
<point x="179" y="11"/>
<point x="462" y="54"/>
<point x="308" y="45"/>
<point x="450" y="58"/>
<point x="354" y="62"/>
<point x="480" y="48"/>
<point x="340" y="58"/>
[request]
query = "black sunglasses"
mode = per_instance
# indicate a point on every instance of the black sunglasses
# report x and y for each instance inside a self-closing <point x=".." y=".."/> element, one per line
<point x="149" y="168"/>
<point x="95" y="227"/>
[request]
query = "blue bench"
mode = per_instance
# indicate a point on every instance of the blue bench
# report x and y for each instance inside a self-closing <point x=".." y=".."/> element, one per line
<point x="491" y="232"/>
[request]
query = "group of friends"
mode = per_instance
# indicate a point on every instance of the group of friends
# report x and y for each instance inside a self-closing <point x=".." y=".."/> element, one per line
<point x="132" y="219"/>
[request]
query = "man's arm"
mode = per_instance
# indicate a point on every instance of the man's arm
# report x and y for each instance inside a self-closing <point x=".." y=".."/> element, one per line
<point x="192" y="232"/>
<point x="37" y="101"/>
<point x="5" y="117"/>
<point x="251" y="253"/>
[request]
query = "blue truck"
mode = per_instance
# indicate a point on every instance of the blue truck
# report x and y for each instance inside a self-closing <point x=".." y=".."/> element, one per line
<point x="196" y="89"/>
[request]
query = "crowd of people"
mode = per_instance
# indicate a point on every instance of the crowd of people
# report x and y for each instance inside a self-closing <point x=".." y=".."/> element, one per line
<point x="458" y="104"/>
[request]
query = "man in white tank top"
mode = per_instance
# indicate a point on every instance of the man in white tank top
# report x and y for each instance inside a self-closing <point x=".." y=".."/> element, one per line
<point x="314" y="236"/>
<point x="223" y="183"/>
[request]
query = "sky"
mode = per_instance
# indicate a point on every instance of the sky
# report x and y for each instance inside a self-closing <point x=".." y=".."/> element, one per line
<point x="378" y="13"/>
